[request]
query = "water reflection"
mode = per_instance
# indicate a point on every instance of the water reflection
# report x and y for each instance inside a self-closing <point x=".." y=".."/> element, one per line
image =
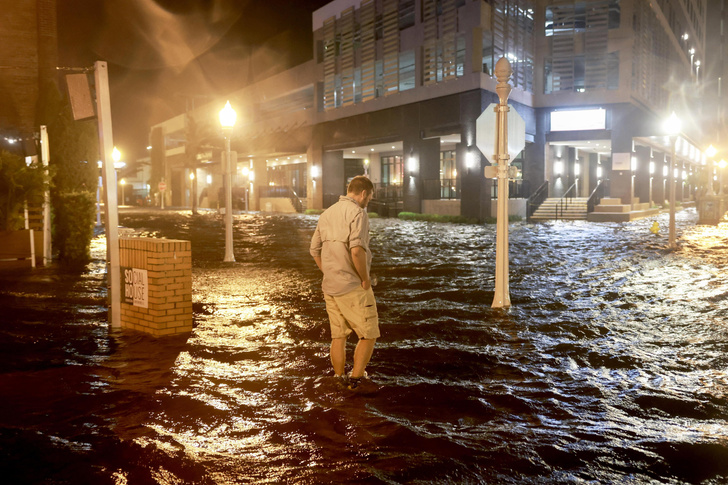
<point x="610" y="366"/>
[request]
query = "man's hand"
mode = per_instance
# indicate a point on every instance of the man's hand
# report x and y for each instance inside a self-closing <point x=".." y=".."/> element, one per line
<point x="359" y="257"/>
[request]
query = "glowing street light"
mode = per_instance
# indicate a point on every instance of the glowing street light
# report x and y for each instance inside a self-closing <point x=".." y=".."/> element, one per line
<point x="672" y="126"/>
<point x="227" y="121"/>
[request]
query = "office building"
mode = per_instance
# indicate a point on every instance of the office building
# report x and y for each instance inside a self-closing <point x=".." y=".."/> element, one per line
<point x="395" y="87"/>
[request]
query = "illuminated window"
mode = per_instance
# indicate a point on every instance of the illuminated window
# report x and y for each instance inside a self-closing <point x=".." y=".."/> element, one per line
<point x="392" y="170"/>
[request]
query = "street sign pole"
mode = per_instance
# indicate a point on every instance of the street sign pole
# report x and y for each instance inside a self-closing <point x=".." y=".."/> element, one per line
<point x="502" y="296"/>
<point x="106" y="145"/>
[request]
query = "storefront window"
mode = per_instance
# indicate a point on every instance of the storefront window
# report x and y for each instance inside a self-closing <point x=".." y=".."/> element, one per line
<point x="392" y="170"/>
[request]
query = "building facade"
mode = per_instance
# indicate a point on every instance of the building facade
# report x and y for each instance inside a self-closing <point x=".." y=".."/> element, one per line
<point x="395" y="87"/>
<point x="28" y="55"/>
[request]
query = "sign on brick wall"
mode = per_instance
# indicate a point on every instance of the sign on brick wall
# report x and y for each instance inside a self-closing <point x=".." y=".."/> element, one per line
<point x="136" y="287"/>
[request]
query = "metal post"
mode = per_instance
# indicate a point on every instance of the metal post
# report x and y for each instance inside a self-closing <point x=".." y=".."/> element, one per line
<point x="227" y="182"/>
<point x="671" y="181"/>
<point x="502" y="296"/>
<point x="106" y="145"/>
<point x="45" y="156"/>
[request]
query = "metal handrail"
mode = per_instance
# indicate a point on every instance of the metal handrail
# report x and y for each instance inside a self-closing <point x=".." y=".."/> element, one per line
<point x="597" y="194"/>
<point x="283" y="192"/>
<point x="536" y="199"/>
<point x="564" y="200"/>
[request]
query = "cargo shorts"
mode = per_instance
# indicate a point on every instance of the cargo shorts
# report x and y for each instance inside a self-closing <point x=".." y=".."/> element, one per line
<point x="355" y="311"/>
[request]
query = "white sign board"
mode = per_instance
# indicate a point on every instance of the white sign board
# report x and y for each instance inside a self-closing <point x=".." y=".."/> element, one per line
<point x="136" y="287"/>
<point x="577" y="120"/>
<point x="485" y="133"/>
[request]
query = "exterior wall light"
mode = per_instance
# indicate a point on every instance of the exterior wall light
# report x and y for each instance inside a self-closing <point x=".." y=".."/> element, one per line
<point x="558" y="168"/>
<point x="577" y="169"/>
<point x="411" y="165"/>
<point x="652" y="168"/>
<point x="634" y="164"/>
<point x="315" y="172"/>
<point x="469" y="159"/>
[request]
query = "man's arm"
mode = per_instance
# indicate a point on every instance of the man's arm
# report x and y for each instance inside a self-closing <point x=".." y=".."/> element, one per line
<point x="359" y="257"/>
<point x="315" y="248"/>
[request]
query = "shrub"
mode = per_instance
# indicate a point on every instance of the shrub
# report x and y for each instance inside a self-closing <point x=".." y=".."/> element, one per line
<point x="74" y="218"/>
<point x="313" y="212"/>
<point x="373" y="215"/>
<point x="18" y="183"/>
<point x="413" y="216"/>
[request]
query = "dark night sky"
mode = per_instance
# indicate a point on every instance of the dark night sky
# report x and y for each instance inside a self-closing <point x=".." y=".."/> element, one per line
<point x="161" y="50"/>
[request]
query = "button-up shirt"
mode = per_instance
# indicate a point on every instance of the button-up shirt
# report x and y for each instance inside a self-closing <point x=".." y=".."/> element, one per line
<point x="340" y="228"/>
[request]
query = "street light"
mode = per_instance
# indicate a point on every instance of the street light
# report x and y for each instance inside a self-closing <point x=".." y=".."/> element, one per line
<point x="721" y="165"/>
<point x="672" y="126"/>
<point x="227" y="121"/>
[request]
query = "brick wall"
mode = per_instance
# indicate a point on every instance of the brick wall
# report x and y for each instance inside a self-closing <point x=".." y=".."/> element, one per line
<point x="168" y="263"/>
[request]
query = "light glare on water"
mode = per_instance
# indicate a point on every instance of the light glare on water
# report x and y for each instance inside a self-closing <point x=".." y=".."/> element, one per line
<point x="610" y="367"/>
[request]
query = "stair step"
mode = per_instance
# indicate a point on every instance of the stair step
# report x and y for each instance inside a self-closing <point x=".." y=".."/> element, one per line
<point x="573" y="209"/>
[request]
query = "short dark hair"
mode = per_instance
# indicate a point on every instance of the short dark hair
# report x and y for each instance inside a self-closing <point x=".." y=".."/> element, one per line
<point x="359" y="183"/>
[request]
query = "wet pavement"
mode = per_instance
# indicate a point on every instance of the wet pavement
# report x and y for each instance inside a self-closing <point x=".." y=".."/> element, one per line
<point x="610" y="367"/>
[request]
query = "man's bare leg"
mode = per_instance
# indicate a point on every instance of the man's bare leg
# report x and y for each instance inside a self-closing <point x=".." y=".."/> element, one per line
<point x="338" y="355"/>
<point x="362" y="354"/>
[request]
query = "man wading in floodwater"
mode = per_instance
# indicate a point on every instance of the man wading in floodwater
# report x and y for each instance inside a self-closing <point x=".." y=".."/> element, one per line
<point x="340" y="247"/>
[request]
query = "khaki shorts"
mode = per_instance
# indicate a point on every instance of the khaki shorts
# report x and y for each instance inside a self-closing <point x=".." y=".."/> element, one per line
<point x="356" y="311"/>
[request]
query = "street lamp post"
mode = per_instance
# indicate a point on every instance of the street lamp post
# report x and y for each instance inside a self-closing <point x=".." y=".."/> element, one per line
<point x="672" y="127"/>
<point x="227" y="120"/>
<point x="116" y="157"/>
<point x="721" y="168"/>
<point x="122" y="182"/>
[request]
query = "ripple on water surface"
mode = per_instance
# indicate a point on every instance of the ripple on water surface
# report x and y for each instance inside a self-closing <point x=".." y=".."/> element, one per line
<point x="610" y="367"/>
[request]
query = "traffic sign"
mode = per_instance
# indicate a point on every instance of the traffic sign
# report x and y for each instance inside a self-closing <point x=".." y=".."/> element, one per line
<point x="485" y="133"/>
<point x="162" y="186"/>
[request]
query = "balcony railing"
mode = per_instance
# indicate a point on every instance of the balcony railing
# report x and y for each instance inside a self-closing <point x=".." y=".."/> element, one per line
<point x="517" y="189"/>
<point x="388" y="192"/>
<point x="437" y="189"/>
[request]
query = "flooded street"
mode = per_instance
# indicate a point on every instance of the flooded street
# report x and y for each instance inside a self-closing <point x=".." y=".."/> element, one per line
<point x="610" y="367"/>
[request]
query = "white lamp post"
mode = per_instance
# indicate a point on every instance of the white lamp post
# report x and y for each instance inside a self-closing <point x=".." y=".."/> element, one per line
<point x="121" y="191"/>
<point x="227" y="120"/>
<point x="116" y="157"/>
<point x="721" y="168"/>
<point x="672" y="126"/>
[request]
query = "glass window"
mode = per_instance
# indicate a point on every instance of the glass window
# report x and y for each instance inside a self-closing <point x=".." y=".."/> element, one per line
<point x="406" y="13"/>
<point x="392" y="170"/>
<point x="406" y="70"/>
<point x="447" y="165"/>
<point x="613" y="70"/>
<point x="378" y="79"/>
<point x="448" y="175"/>
<point x="357" y="85"/>
<point x="460" y="56"/>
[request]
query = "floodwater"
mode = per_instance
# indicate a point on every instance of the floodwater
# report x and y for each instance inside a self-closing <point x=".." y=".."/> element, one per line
<point x="610" y="367"/>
